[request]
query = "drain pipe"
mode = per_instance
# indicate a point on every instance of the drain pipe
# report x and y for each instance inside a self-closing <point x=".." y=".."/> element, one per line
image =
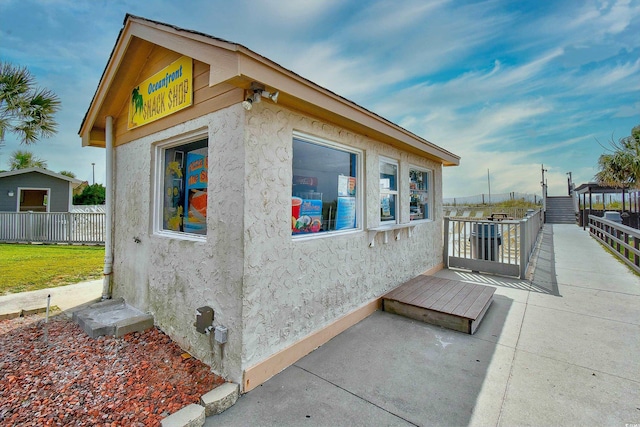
<point x="108" y="240"/>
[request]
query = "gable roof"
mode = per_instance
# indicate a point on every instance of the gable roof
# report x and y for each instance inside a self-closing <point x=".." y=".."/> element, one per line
<point x="74" y="181"/>
<point x="234" y="64"/>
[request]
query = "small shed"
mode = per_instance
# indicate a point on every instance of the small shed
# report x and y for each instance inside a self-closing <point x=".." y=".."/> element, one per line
<point x="253" y="212"/>
<point x="36" y="190"/>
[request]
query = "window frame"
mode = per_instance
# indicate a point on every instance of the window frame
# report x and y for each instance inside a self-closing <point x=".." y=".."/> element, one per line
<point x="159" y="149"/>
<point x="396" y="192"/>
<point x="430" y="199"/>
<point x="360" y="180"/>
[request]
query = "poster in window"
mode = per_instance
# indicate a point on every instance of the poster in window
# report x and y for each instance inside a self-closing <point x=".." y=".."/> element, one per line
<point x="346" y="186"/>
<point x="310" y="217"/>
<point x="346" y="213"/>
<point x="385" y="207"/>
<point x="195" y="220"/>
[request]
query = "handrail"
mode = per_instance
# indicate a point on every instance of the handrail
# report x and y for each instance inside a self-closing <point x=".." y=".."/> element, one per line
<point x="500" y="247"/>
<point x="623" y="241"/>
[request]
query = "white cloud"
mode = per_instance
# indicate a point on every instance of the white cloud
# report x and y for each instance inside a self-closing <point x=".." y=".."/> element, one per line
<point x="605" y="17"/>
<point x="617" y="78"/>
<point x="281" y="12"/>
<point x="507" y="88"/>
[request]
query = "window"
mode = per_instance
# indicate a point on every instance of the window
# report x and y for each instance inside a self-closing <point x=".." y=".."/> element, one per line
<point x="388" y="190"/>
<point x="420" y="191"/>
<point x="325" y="187"/>
<point x="182" y="174"/>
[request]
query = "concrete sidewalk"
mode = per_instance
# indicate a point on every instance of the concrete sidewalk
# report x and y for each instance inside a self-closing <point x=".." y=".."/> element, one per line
<point x="561" y="349"/>
<point x="66" y="298"/>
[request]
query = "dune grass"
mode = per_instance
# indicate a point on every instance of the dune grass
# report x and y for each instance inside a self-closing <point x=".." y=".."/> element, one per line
<point x="32" y="267"/>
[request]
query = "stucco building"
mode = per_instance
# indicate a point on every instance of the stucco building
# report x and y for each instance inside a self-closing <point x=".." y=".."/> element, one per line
<point x="239" y="185"/>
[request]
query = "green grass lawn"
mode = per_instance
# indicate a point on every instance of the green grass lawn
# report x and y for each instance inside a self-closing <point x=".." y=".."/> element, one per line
<point x="31" y="267"/>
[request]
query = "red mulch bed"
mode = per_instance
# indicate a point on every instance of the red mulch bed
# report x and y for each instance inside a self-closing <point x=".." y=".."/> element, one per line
<point x="54" y="374"/>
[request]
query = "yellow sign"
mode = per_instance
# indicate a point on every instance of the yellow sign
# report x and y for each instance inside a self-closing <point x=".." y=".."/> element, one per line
<point x="162" y="94"/>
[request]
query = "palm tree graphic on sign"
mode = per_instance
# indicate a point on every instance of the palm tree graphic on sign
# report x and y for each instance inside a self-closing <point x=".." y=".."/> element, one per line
<point x="137" y="101"/>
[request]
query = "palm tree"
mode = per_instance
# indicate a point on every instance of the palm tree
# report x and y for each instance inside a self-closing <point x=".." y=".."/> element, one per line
<point x="621" y="167"/>
<point x="68" y="173"/>
<point x="25" y="110"/>
<point x="23" y="159"/>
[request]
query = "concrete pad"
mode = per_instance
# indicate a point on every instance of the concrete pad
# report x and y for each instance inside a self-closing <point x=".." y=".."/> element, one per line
<point x="594" y="277"/>
<point x="502" y="322"/>
<point x="488" y="404"/>
<point x="544" y="391"/>
<point x="603" y="345"/>
<point x="514" y="289"/>
<point x="424" y="374"/>
<point x="296" y="397"/>
<point x="592" y="302"/>
<point x="554" y="352"/>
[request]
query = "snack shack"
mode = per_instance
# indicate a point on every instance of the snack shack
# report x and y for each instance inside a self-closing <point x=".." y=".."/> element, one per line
<point x="252" y="212"/>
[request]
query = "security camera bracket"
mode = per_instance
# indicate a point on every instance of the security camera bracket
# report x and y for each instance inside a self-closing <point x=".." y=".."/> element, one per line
<point x="257" y="87"/>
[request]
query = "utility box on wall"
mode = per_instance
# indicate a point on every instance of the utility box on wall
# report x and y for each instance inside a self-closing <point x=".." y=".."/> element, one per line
<point x="204" y="319"/>
<point x="220" y="334"/>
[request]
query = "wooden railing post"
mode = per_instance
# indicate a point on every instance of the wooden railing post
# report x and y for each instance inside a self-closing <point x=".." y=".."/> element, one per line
<point x="445" y="250"/>
<point x="524" y="238"/>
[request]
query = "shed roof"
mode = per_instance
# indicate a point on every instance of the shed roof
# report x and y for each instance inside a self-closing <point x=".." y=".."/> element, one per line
<point x="594" y="187"/>
<point x="74" y="181"/>
<point x="235" y="64"/>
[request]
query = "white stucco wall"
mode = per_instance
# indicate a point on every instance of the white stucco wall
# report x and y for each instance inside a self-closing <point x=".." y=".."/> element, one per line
<point x="295" y="287"/>
<point x="170" y="278"/>
<point x="269" y="289"/>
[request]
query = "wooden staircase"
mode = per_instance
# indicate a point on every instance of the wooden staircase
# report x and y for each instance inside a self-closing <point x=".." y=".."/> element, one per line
<point x="448" y="303"/>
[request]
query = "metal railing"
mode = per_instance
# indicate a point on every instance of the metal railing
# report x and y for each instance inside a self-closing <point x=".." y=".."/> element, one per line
<point x="623" y="241"/>
<point x="52" y="227"/>
<point x="483" y="212"/>
<point x="497" y="247"/>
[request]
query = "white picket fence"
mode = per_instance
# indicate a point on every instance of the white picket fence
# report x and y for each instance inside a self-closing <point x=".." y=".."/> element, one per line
<point x="88" y="208"/>
<point x="53" y="227"/>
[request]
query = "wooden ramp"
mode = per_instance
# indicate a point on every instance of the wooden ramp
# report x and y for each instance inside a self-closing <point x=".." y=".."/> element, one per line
<point x="448" y="303"/>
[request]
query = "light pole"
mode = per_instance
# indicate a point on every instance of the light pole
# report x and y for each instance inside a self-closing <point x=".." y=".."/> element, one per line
<point x="569" y="181"/>
<point x="93" y="167"/>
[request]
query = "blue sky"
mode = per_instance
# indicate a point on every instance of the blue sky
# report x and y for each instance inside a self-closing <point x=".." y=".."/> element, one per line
<point x="507" y="85"/>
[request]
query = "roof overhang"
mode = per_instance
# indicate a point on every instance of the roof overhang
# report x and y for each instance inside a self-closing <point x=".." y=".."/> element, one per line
<point x="594" y="187"/>
<point x="47" y="172"/>
<point x="236" y="65"/>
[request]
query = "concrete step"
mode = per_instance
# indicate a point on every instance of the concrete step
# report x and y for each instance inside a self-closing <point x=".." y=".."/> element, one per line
<point x="560" y="210"/>
<point x="112" y="317"/>
<point x="560" y="219"/>
<point x="561" y="213"/>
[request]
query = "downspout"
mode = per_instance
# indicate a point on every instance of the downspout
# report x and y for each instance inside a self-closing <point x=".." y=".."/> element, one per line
<point x="108" y="238"/>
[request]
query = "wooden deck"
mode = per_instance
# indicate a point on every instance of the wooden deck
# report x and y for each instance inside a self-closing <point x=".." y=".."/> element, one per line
<point x="448" y="303"/>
